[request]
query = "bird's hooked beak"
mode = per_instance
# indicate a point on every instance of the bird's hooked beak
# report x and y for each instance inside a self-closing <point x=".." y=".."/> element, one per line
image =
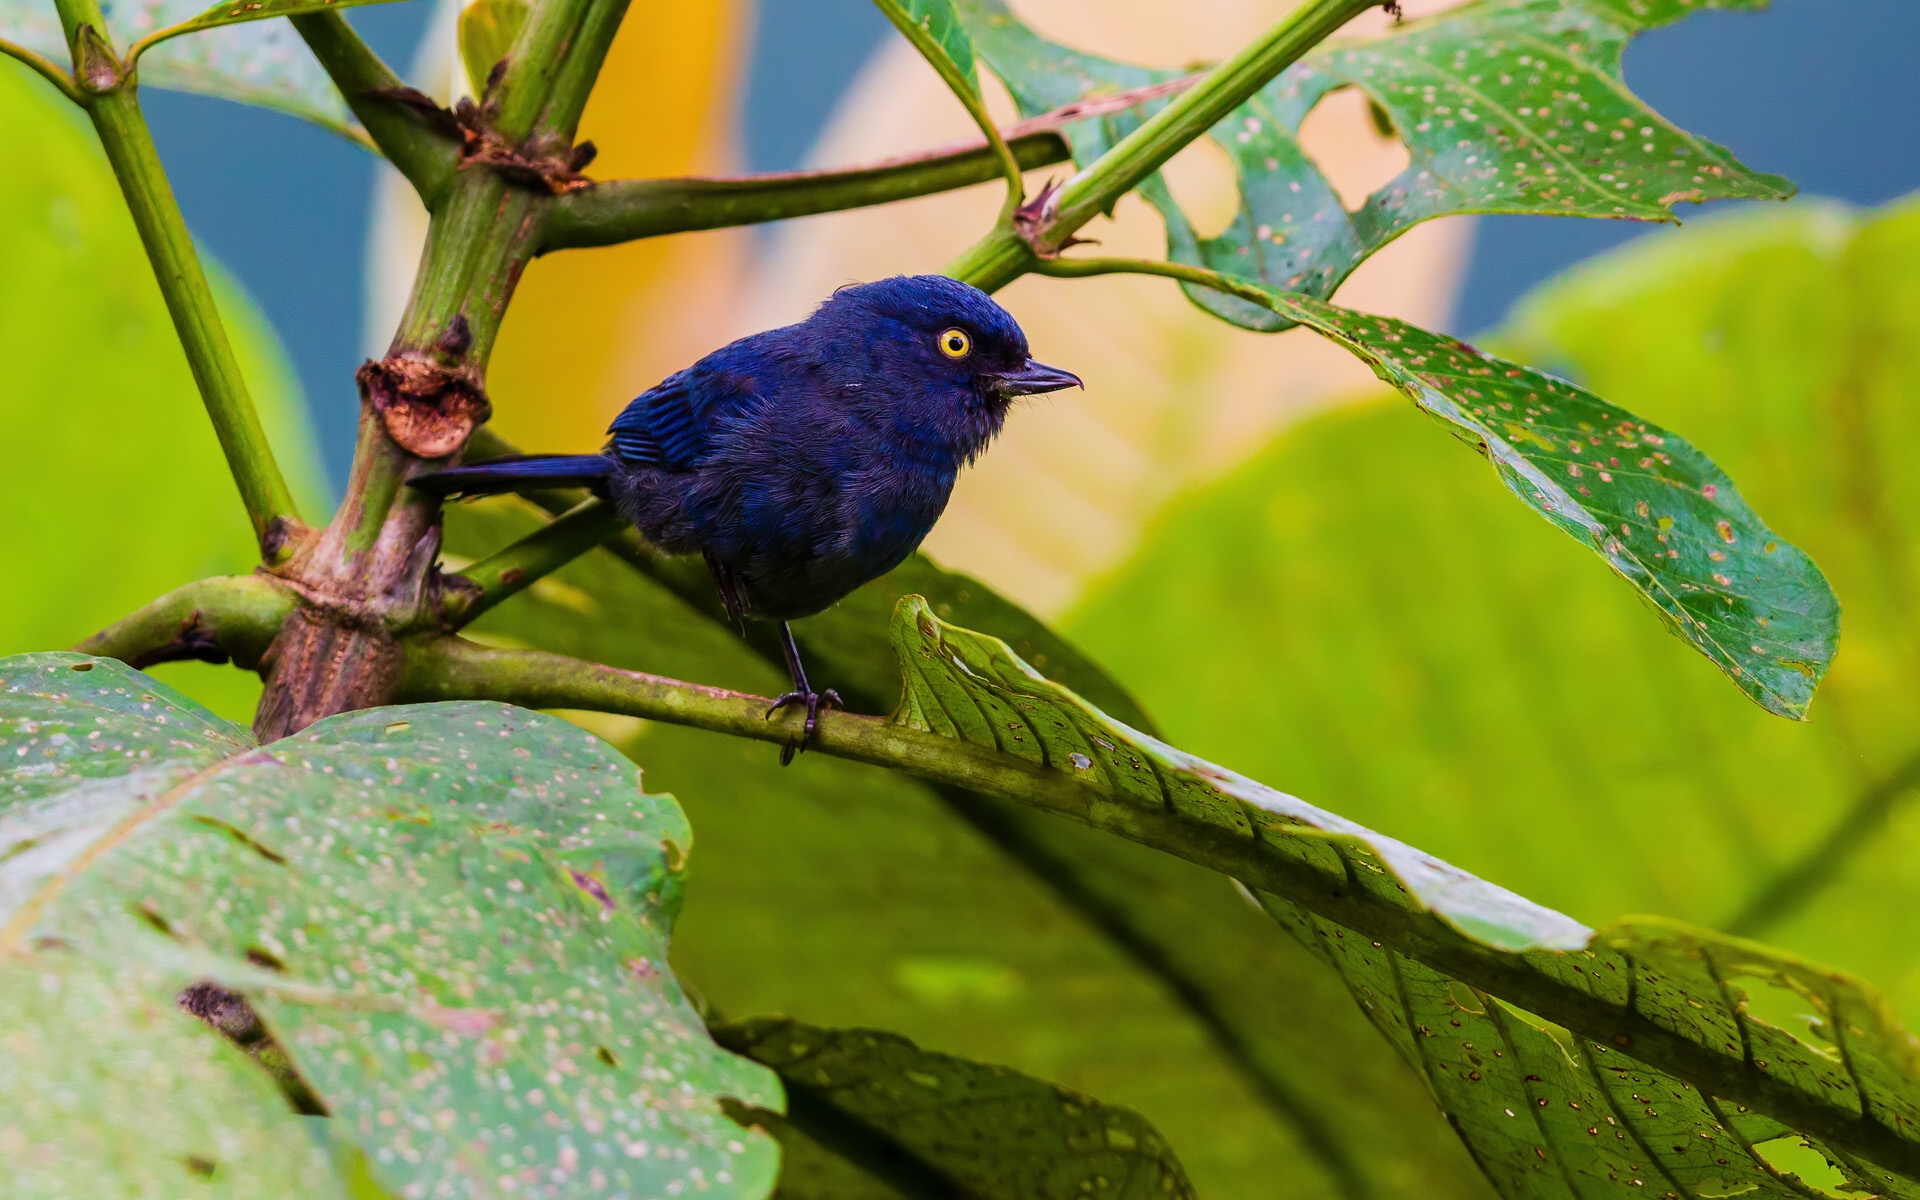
<point x="1032" y="378"/>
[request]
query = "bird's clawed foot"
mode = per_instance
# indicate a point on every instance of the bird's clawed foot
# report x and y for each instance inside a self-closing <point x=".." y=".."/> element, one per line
<point x="814" y="701"/>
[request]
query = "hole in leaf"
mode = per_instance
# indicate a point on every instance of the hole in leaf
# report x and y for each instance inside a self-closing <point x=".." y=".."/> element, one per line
<point x="196" y="1165"/>
<point x="1796" y="1158"/>
<point x="1775" y="1001"/>
<point x="1340" y="135"/>
<point x="86" y="666"/>
<point x="1205" y="184"/>
<point x="606" y="1056"/>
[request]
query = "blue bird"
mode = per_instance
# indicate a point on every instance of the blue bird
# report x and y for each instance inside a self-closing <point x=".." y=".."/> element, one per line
<point x="805" y="461"/>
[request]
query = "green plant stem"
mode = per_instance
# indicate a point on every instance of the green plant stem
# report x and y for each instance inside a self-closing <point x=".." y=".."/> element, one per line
<point x="965" y="90"/>
<point x="47" y="69"/>
<point x="447" y="668"/>
<point x="1080" y="268"/>
<point x="481" y="239"/>
<point x="231" y="617"/>
<point x="1004" y="255"/>
<point x="420" y="147"/>
<point x="626" y="209"/>
<point x="183" y="284"/>
<point x="513" y="569"/>
<point x="552" y="66"/>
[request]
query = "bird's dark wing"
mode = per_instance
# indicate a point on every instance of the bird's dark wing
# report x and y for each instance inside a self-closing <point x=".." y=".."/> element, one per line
<point x="672" y="424"/>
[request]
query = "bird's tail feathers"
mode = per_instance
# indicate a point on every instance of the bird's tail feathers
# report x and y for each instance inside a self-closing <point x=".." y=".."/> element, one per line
<point x="518" y="473"/>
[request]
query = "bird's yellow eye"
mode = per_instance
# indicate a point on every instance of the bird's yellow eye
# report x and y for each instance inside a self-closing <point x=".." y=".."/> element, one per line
<point x="955" y="343"/>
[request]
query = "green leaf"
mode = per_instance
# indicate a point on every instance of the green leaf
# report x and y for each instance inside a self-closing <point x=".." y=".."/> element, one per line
<point x="1656" y="999"/>
<point x="85" y="1047"/>
<point x="935" y="30"/>
<point x="888" y="1109"/>
<point x="1591" y="1119"/>
<point x="452" y="918"/>
<point x="487" y="30"/>
<point x="96" y="383"/>
<point x="1504" y="106"/>
<point x="159" y="26"/>
<point x="1004" y="934"/>
<point x="1364" y="619"/>
<point x="1655" y="509"/>
<point x="263" y="64"/>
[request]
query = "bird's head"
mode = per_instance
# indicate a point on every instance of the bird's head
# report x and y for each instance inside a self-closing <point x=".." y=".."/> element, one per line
<point x="950" y="338"/>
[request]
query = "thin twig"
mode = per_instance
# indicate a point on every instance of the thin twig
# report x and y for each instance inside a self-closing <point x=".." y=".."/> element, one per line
<point x="627" y="209"/>
<point x="420" y="139"/>
<point x="47" y="69"/>
<point x="115" y="111"/>
<point x="513" y="569"/>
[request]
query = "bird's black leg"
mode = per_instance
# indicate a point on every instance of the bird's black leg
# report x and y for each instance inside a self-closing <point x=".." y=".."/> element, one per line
<point x="801" y="694"/>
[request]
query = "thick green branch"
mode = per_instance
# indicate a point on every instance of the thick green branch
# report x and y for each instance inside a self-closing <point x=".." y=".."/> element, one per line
<point x="626" y="209"/>
<point x="231" y="618"/>
<point x="552" y="68"/>
<point x="1005" y="254"/>
<point x="1538" y="981"/>
<point x="420" y="142"/>
<point x="512" y="570"/>
<point x="115" y="110"/>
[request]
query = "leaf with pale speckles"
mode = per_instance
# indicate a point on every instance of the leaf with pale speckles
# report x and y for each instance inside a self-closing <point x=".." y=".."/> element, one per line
<point x="934" y="29"/>
<point x="235" y="54"/>
<point x="1671" y="997"/>
<point x="871" y="1113"/>
<point x="86" y="1047"/>
<point x="1504" y="106"/>
<point x="1657" y="510"/>
<point x="1551" y="1114"/>
<point x="452" y="918"/>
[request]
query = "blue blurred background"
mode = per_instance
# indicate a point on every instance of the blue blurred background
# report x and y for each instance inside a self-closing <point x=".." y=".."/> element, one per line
<point x="1822" y="91"/>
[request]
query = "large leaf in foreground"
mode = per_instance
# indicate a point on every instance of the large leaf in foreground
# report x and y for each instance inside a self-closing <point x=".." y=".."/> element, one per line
<point x="84" y="1049"/>
<point x="871" y="1111"/>
<point x="452" y="917"/>
<point x="977" y="927"/>
<point x="1593" y="1121"/>
<point x="1657" y="510"/>
<point x="1655" y="999"/>
<point x="1504" y="106"/>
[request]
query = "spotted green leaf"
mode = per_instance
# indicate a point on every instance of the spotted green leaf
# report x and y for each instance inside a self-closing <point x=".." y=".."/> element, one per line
<point x="235" y="12"/>
<point x="1549" y="1114"/>
<point x="1657" y="510"/>
<point x="935" y="30"/>
<point x="86" y="1046"/>
<point x="870" y="1113"/>
<point x="1504" y="106"/>
<point x="1656" y="992"/>
<point x="258" y="62"/>
<point x="452" y="918"/>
